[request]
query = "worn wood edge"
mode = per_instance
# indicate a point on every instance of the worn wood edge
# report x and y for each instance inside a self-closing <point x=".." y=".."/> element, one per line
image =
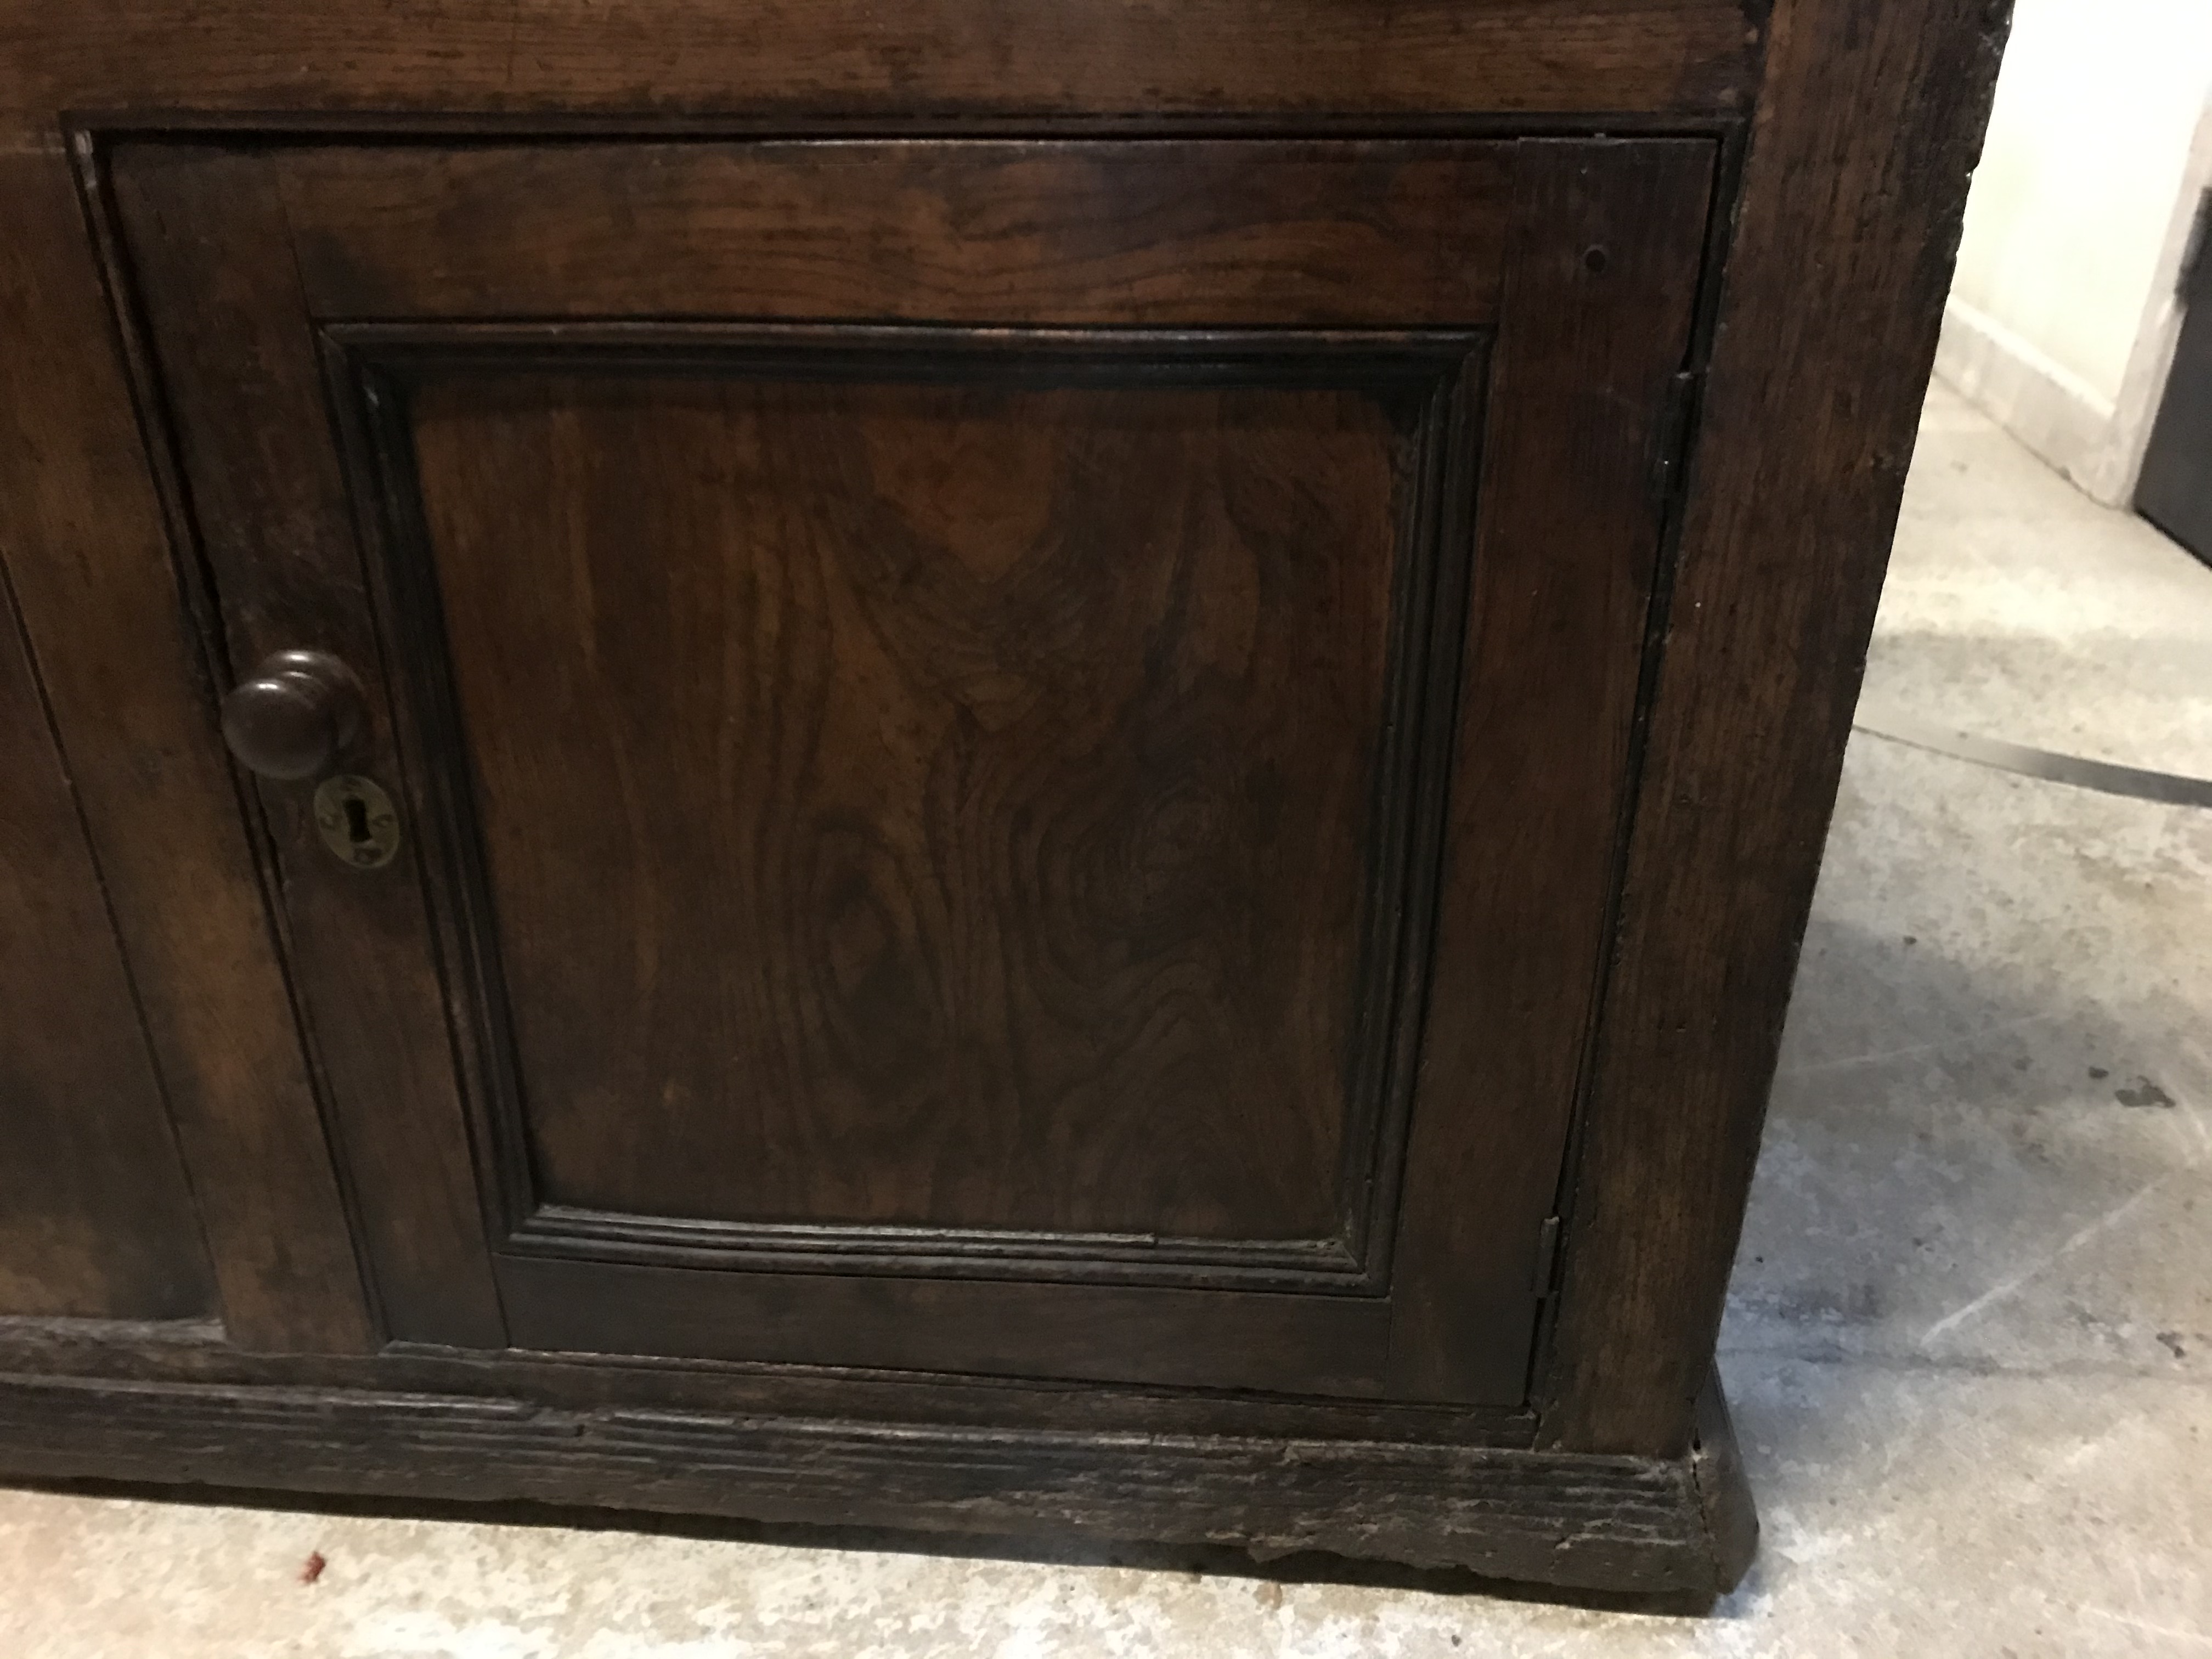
<point x="1724" y="1497"/>
<point x="1869" y="120"/>
<point x="196" y="1351"/>
<point x="1594" y="1522"/>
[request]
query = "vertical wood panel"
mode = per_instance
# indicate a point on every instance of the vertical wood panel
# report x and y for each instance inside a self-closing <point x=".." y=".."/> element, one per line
<point x="1847" y="234"/>
<point x="94" y="1219"/>
<point x="84" y="539"/>
<point x="1598" y="296"/>
<point x="208" y="238"/>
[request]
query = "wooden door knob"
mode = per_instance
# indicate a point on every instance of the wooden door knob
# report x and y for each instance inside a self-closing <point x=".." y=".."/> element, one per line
<point x="297" y="714"/>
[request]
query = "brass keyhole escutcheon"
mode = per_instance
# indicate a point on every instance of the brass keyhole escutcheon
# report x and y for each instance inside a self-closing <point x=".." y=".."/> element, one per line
<point x="357" y="821"/>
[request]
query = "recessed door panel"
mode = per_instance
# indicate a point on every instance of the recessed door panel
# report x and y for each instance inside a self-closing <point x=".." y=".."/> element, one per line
<point x="926" y="803"/>
<point x="933" y="797"/>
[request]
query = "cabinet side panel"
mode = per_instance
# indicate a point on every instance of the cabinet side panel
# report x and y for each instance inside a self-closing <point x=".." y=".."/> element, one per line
<point x="94" y="1219"/>
<point x="82" y="531"/>
<point x="1844" y="243"/>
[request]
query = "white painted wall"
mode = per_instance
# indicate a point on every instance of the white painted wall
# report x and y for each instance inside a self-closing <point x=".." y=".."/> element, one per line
<point x="2062" y="321"/>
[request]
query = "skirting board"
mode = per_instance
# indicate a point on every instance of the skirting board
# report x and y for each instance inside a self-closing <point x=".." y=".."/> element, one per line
<point x="1670" y="1527"/>
<point x="2039" y="401"/>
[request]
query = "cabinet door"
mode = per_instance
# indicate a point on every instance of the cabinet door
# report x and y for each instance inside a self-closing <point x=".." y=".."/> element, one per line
<point x="976" y="756"/>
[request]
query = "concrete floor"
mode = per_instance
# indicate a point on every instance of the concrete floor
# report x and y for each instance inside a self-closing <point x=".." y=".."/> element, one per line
<point x="1970" y="1346"/>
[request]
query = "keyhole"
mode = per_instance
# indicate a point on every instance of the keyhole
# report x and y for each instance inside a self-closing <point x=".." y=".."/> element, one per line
<point x="356" y="820"/>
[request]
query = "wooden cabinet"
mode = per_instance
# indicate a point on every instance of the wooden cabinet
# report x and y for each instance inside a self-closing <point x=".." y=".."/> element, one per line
<point x="1055" y="800"/>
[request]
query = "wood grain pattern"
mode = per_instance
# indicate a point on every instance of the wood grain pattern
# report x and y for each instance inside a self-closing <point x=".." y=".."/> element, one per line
<point x="182" y="1350"/>
<point x="99" y="597"/>
<point x="1008" y="858"/>
<point x="1838" y="254"/>
<point x="1154" y="233"/>
<point x="893" y="816"/>
<point x="206" y="234"/>
<point x="1597" y="326"/>
<point x="94" y="1219"/>
<point x="791" y="60"/>
<point x="1865" y="137"/>
<point x="1723" y="1487"/>
<point x="1165" y="1336"/>
<point x="1616" y="1522"/>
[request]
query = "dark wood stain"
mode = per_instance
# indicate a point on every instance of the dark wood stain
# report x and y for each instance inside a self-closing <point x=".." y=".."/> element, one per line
<point x="180" y="1351"/>
<point x="1616" y="1522"/>
<point x="1413" y="388"/>
<point x="1534" y="728"/>
<point x="949" y="59"/>
<point x="207" y="237"/>
<point x="1597" y="320"/>
<point x="949" y="832"/>
<point x="94" y="1219"/>
<point x="131" y="703"/>
<point x="1308" y="235"/>
<point x="848" y="807"/>
<point x="1870" y="125"/>
<point x="1331" y="1345"/>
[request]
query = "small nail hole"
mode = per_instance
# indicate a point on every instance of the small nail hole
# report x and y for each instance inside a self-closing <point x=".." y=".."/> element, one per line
<point x="1596" y="260"/>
